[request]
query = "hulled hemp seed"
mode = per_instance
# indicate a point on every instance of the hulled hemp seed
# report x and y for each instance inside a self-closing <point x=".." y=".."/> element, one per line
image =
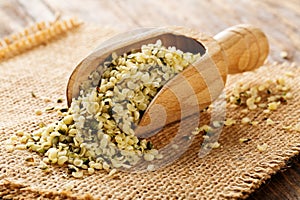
<point x="97" y="131"/>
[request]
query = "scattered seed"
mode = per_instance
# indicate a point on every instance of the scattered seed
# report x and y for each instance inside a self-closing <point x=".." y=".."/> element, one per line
<point x="217" y="124"/>
<point x="149" y="157"/>
<point x="38" y="112"/>
<point x="43" y="165"/>
<point x="196" y="131"/>
<point x="150" y="168"/>
<point x="62" y="160"/>
<point x="206" y="137"/>
<point x="68" y="186"/>
<point x="289" y="127"/>
<point x="262" y="147"/>
<point x="245" y="111"/>
<point x="273" y="105"/>
<point x="297" y="127"/>
<point x="254" y="123"/>
<point x="91" y="170"/>
<point x="106" y="166"/>
<point x="47" y="100"/>
<point x="284" y="54"/>
<point x="289" y="95"/>
<point x="29" y="159"/>
<point x="229" y="122"/>
<point x="78" y="162"/>
<point x="42" y="125"/>
<point x="159" y="156"/>
<point x="214" y="145"/>
<point x="48" y="109"/>
<point x="78" y="174"/>
<point x="21" y="147"/>
<point x="270" y="121"/>
<point x="245" y="120"/>
<point x="206" y="129"/>
<point x="33" y="95"/>
<point x="20" y="133"/>
<point x="97" y="166"/>
<point x="60" y="100"/>
<point x="290" y="74"/>
<point x="244" y="140"/>
<point x="112" y="172"/>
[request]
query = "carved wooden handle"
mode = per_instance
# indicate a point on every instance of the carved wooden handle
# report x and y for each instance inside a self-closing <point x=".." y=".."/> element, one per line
<point x="234" y="50"/>
<point x="245" y="47"/>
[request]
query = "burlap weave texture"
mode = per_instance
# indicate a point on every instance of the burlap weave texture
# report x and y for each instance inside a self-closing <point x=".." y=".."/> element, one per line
<point x="232" y="171"/>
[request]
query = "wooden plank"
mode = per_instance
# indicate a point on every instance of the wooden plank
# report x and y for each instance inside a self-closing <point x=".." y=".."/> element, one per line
<point x="207" y="17"/>
<point x="12" y="17"/>
<point x="37" y="10"/>
<point x="17" y="14"/>
<point x="102" y="13"/>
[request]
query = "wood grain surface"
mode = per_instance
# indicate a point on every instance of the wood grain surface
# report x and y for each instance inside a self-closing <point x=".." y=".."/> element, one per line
<point x="280" y="20"/>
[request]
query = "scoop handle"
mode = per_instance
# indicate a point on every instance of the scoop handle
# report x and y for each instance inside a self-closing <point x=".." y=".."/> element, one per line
<point x="245" y="47"/>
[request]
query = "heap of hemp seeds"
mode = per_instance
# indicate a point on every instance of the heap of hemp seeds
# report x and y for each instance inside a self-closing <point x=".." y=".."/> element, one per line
<point x="97" y="132"/>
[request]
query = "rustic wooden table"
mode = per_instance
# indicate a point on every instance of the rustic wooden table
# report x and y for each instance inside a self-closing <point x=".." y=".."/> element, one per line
<point x="280" y="20"/>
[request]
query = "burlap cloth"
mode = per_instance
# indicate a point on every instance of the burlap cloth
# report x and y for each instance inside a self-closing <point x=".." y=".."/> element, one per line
<point x="232" y="171"/>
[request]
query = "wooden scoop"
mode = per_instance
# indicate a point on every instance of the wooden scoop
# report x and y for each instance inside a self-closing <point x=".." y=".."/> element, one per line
<point x="237" y="49"/>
